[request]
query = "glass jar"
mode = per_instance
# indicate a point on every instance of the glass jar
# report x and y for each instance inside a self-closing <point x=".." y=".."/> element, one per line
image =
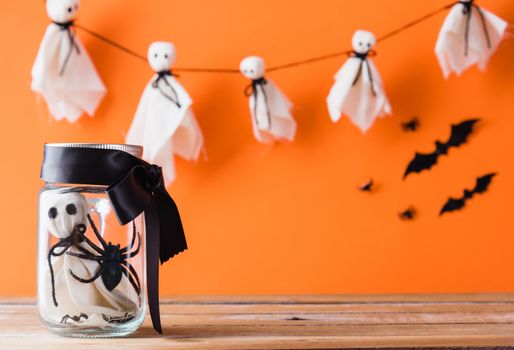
<point x="91" y="269"/>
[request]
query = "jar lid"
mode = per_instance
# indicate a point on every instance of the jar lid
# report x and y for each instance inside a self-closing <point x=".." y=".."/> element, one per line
<point x="135" y="150"/>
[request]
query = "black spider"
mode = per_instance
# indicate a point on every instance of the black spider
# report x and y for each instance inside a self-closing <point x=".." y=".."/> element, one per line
<point x="115" y="319"/>
<point x="74" y="318"/>
<point x="112" y="260"/>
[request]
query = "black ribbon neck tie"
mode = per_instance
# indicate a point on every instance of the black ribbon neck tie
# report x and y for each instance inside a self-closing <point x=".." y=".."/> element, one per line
<point x="467" y="10"/>
<point x="161" y="76"/>
<point x="253" y="89"/>
<point x="134" y="187"/>
<point x="364" y="60"/>
<point x="67" y="26"/>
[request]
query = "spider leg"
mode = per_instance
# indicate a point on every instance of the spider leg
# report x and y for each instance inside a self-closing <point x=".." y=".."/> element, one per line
<point x="97" y="234"/>
<point x="93" y="245"/>
<point x="135" y="252"/>
<point x="85" y="251"/>
<point x="129" y="247"/>
<point x="136" y="285"/>
<point x="134" y="272"/>
<point x="87" y="280"/>
<point x="82" y="235"/>
<point x="86" y="256"/>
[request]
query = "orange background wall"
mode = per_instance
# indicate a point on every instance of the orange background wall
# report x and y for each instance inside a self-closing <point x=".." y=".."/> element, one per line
<point x="284" y="219"/>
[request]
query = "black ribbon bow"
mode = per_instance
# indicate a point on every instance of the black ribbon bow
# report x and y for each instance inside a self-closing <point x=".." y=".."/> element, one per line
<point x="253" y="89"/>
<point x="467" y="10"/>
<point x="73" y="44"/>
<point x="134" y="187"/>
<point x="162" y="76"/>
<point x="364" y="60"/>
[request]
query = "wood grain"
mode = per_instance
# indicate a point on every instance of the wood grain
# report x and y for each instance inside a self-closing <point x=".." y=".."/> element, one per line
<point x="293" y="322"/>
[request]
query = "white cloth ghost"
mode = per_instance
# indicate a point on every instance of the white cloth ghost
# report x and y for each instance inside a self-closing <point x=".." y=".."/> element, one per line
<point x="358" y="91"/>
<point x="470" y="35"/>
<point x="62" y="213"/>
<point x="269" y="107"/>
<point x="164" y="123"/>
<point x="63" y="73"/>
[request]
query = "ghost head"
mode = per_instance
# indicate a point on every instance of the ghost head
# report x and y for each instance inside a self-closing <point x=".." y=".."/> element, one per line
<point x="252" y="67"/>
<point x="161" y="55"/>
<point x="62" y="212"/>
<point x="363" y="41"/>
<point x="62" y="11"/>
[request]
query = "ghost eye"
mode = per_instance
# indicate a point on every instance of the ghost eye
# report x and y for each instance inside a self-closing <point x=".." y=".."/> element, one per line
<point x="52" y="213"/>
<point x="155" y="55"/>
<point x="165" y="55"/>
<point x="251" y="70"/>
<point x="369" y="45"/>
<point x="360" y="43"/>
<point x="69" y="9"/>
<point x="71" y="209"/>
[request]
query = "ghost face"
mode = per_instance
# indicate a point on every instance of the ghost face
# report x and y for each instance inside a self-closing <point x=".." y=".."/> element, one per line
<point x="62" y="11"/>
<point x="161" y="55"/>
<point x="252" y="67"/>
<point x="63" y="212"/>
<point x="363" y="41"/>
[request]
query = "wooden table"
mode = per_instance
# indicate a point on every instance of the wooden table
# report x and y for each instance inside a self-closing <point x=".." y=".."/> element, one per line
<point x="293" y="322"/>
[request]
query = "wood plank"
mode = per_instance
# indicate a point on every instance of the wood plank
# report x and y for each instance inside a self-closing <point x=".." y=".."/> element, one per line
<point x="293" y="322"/>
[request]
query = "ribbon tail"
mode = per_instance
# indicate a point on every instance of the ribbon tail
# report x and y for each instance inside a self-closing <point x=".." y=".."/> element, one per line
<point x="357" y="76"/>
<point x="466" y="33"/>
<point x="172" y="237"/>
<point x="268" y="114"/>
<point x="371" y="79"/>
<point x="152" y="264"/>
<point x="484" y="26"/>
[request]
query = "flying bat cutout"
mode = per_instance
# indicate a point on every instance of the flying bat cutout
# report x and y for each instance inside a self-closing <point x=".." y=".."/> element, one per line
<point x="411" y="125"/>
<point x="459" y="135"/>
<point x="367" y="186"/>
<point x="408" y="214"/>
<point x="458" y="203"/>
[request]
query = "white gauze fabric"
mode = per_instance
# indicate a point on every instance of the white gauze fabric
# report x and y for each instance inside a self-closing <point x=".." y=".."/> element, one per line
<point x="470" y="35"/>
<point x="358" y="91"/>
<point x="269" y="107"/>
<point x="164" y="123"/>
<point x="63" y="74"/>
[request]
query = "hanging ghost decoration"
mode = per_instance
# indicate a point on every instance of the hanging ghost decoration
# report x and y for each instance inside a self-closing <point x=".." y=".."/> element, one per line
<point x="270" y="109"/>
<point x="63" y="74"/>
<point x="358" y="91"/>
<point x="470" y="35"/>
<point x="67" y="300"/>
<point x="164" y="123"/>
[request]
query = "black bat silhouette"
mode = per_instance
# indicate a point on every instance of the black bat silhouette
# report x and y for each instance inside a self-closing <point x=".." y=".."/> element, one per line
<point x="408" y="214"/>
<point x="411" y="125"/>
<point x="481" y="186"/>
<point x="367" y="187"/>
<point x="459" y="136"/>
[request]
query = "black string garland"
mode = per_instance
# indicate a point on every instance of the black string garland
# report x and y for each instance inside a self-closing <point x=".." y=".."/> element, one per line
<point x="273" y="68"/>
